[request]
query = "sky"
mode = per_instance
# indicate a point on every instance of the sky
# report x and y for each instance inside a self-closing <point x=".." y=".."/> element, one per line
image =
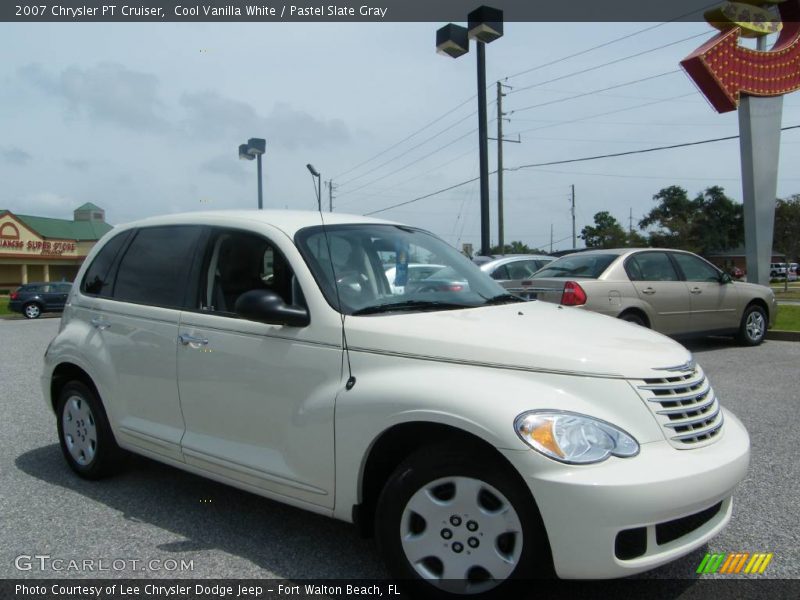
<point x="145" y="119"/>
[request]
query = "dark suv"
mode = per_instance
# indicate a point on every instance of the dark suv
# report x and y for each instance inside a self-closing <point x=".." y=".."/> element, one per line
<point x="32" y="299"/>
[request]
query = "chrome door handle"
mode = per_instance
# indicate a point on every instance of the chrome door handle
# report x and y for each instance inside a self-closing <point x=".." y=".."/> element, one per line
<point x="100" y="323"/>
<point x="648" y="291"/>
<point x="696" y="290"/>
<point x="187" y="339"/>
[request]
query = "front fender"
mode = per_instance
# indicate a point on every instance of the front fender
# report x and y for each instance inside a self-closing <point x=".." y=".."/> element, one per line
<point x="481" y="401"/>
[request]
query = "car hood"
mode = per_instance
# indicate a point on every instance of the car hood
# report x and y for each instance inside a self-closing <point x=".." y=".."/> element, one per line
<point x="534" y="336"/>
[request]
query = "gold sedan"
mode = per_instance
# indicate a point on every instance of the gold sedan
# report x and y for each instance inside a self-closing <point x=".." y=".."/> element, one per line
<point x="675" y="292"/>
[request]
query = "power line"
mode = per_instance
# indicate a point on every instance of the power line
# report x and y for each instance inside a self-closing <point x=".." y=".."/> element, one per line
<point x="605" y="89"/>
<point x="404" y="167"/>
<point x="609" y="43"/>
<point x="405" y="139"/>
<point x="603" y="114"/>
<point x="556" y="61"/>
<point x="630" y="152"/>
<point x="422" y="143"/>
<point x="606" y="64"/>
<point x="573" y="160"/>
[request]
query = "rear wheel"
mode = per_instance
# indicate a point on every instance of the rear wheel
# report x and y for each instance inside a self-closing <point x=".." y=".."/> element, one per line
<point x="753" y="327"/>
<point x="32" y="310"/>
<point x="634" y="317"/>
<point x="87" y="441"/>
<point x="449" y="525"/>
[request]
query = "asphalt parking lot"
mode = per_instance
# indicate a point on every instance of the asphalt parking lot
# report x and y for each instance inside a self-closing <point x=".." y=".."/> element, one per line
<point x="154" y="512"/>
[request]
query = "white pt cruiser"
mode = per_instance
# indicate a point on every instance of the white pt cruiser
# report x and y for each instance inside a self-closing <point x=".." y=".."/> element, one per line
<point x="478" y="437"/>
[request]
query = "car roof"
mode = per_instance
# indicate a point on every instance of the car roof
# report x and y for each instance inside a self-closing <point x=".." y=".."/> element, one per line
<point x="509" y="258"/>
<point x="288" y="221"/>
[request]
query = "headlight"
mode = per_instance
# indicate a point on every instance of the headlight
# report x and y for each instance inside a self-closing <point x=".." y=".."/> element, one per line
<point x="573" y="438"/>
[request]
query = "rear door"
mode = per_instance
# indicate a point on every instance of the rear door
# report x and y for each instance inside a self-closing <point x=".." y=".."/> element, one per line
<point x="133" y="315"/>
<point x="659" y="286"/>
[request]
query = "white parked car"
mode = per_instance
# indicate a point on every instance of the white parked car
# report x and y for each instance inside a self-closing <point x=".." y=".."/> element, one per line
<point x="480" y="438"/>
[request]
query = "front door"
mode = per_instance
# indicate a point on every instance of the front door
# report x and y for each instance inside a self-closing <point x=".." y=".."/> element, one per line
<point x="257" y="399"/>
<point x="713" y="303"/>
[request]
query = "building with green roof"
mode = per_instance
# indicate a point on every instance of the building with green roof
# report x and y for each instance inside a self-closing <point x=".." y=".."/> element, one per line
<point x="34" y="248"/>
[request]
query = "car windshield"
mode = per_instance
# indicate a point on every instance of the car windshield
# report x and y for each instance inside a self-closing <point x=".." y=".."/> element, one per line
<point x="586" y="266"/>
<point x="377" y="268"/>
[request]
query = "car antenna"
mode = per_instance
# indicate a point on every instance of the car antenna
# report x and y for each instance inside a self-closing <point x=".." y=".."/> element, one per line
<point x="351" y="380"/>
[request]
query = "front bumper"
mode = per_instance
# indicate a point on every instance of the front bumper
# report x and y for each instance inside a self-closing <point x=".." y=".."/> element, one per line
<point x="584" y="508"/>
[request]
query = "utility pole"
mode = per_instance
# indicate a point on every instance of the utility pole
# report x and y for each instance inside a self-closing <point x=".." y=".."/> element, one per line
<point x="500" y="140"/>
<point x="630" y="222"/>
<point x="330" y="195"/>
<point x="574" y="239"/>
<point x="500" y="233"/>
<point x="551" y="238"/>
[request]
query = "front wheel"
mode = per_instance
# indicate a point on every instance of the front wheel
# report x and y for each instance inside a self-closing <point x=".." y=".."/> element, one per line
<point x="450" y="524"/>
<point x="753" y="327"/>
<point x="87" y="441"/>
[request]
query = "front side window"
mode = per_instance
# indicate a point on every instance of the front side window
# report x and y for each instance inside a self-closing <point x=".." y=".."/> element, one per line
<point x="369" y="269"/>
<point x="695" y="268"/>
<point x="155" y="267"/>
<point x="240" y="261"/>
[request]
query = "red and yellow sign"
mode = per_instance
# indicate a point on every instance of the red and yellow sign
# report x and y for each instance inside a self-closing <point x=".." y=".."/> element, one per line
<point x="723" y="70"/>
<point x="17" y="240"/>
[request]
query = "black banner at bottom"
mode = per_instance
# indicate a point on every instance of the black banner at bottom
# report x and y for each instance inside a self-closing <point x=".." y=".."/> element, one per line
<point x="339" y="589"/>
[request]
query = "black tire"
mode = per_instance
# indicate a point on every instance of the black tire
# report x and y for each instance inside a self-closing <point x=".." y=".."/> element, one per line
<point x="85" y="436"/>
<point x="32" y="310"/>
<point x="753" y="327"/>
<point x="442" y="468"/>
<point x="634" y="317"/>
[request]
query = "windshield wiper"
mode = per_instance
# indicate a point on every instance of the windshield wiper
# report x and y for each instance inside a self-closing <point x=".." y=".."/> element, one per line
<point x="408" y="305"/>
<point x="503" y="299"/>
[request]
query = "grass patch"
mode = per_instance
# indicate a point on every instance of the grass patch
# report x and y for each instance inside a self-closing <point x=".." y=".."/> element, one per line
<point x="4" y="306"/>
<point x="788" y="318"/>
<point x="792" y="294"/>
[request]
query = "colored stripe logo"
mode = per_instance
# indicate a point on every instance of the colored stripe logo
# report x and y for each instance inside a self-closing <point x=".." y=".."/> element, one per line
<point x="735" y="563"/>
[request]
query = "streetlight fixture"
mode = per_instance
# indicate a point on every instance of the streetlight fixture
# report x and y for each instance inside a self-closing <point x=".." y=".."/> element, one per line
<point x="485" y="24"/>
<point x="315" y="173"/>
<point x="254" y="148"/>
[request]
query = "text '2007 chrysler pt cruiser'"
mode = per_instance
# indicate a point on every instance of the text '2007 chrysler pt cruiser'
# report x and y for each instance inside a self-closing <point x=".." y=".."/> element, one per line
<point x="478" y="437"/>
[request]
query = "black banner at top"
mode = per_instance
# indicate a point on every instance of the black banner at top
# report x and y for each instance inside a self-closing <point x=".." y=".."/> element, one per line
<point x="348" y="10"/>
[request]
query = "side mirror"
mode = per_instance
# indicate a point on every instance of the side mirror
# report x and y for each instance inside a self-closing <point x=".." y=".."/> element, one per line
<point x="725" y="278"/>
<point x="265" y="306"/>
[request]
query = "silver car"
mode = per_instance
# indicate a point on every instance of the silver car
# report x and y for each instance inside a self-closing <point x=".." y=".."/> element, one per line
<point x="513" y="271"/>
<point x="672" y="291"/>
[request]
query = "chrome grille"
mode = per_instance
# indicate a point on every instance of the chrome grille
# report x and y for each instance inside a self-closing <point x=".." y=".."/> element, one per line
<point x="685" y="406"/>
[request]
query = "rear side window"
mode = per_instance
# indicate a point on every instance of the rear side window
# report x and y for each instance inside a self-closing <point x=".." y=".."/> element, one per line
<point x="156" y="265"/>
<point x="588" y="266"/>
<point x="97" y="281"/>
<point x="651" y="266"/>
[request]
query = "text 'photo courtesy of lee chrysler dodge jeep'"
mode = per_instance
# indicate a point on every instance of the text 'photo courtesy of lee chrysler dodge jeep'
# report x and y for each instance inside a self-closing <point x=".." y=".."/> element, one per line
<point x="478" y="437"/>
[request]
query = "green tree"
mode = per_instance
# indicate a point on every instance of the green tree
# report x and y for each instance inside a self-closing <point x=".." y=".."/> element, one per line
<point x="787" y="227"/>
<point x="672" y="218"/>
<point x="515" y="248"/>
<point x="606" y="232"/>
<point x="719" y="223"/>
<point x="710" y="221"/>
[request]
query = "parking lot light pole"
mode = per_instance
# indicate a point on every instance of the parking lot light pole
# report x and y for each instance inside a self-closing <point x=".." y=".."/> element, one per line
<point x="254" y="148"/>
<point x="485" y="26"/>
<point x="315" y="173"/>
